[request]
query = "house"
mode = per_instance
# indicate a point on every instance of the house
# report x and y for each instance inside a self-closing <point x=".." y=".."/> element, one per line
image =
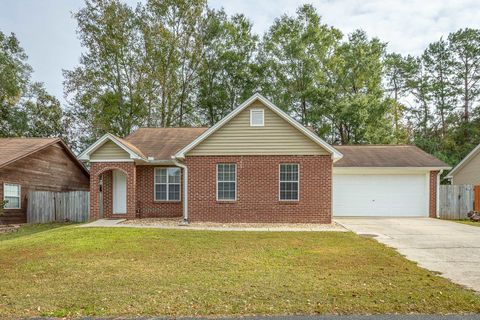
<point x="256" y="165"/>
<point x="45" y="164"/>
<point x="467" y="171"/>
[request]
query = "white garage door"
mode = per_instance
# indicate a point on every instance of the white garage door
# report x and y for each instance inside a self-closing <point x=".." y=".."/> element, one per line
<point x="380" y="195"/>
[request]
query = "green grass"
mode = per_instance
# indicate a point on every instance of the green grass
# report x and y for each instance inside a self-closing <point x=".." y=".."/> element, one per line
<point x="469" y="222"/>
<point x="128" y="272"/>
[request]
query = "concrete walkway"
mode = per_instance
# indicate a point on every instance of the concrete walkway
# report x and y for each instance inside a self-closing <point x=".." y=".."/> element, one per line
<point x="118" y="223"/>
<point x="451" y="248"/>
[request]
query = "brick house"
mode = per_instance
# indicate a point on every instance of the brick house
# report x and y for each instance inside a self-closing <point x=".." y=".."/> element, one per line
<point x="255" y="165"/>
<point x="36" y="164"/>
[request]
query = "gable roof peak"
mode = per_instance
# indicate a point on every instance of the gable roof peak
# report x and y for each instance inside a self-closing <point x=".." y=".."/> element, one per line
<point x="336" y="155"/>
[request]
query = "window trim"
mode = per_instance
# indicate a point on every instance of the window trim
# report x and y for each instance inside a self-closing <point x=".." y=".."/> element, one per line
<point x="280" y="182"/>
<point x="263" y="117"/>
<point x="168" y="196"/>
<point x="216" y="182"/>
<point x="19" y="194"/>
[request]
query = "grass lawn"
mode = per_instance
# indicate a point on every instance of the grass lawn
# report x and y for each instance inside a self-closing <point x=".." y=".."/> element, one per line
<point x="469" y="222"/>
<point x="126" y="272"/>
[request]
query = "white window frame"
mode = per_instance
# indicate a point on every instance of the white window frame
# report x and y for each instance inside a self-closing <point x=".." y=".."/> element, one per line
<point x="280" y="183"/>
<point x="19" y="195"/>
<point x="168" y="183"/>
<point x="251" y="117"/>
<point x="217" y="182"/>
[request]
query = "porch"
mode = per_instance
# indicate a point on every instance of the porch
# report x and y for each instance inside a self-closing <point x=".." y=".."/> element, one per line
<point x="125" y="190"/>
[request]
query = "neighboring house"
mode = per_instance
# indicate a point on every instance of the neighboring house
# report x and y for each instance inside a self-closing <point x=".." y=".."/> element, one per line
<point x="256" y="165"/>
<point x="45" y="164"/>
<point x="467" y="171"/>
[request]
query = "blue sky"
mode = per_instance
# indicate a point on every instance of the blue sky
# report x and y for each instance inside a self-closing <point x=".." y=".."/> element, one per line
<point x="46" y="29"/>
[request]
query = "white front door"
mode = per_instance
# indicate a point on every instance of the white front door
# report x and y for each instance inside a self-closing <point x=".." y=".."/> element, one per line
<point x="380" y="195"/>
<point x="119" y="192"/>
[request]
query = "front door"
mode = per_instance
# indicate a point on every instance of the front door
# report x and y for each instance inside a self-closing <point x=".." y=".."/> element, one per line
<point x="119" y="192"/>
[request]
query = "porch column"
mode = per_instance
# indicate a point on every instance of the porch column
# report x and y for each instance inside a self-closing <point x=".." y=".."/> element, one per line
<point x="131" y="190"/>
<point x="94" y="192"/>
<point x="432" y="212"/>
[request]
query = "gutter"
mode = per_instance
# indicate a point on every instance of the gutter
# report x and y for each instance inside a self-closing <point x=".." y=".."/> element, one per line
<point x="185" y="189"/>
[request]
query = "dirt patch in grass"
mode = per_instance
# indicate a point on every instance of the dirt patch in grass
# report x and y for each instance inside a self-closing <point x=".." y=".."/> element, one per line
<point x="128" y="272"/>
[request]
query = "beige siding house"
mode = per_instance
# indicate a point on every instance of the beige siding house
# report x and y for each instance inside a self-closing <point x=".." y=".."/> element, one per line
<point x="468" y="170"/>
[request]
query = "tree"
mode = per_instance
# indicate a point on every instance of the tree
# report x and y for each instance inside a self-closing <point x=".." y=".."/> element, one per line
<point x="438" y="63"/>
<point x="396" y="90"/>
<point x="173" y="34"/>
<point x="465" y="47"/>
<point x="14" y="79"/>
<point x="358" y="109"/>
<point x="26" y="108"/>
<point x="227" y="73"/>
<point x="294" y="56"/>
<point x="105" y="91"/>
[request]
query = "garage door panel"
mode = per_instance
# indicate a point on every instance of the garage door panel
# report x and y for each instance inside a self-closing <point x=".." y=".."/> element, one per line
<point x="380" y="195"/>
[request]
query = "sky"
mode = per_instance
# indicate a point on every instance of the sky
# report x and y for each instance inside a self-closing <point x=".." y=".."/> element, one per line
<point x="47" y="31"/>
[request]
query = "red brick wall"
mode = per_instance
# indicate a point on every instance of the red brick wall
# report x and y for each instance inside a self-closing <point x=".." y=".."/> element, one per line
<point x="146" y="204"/>
<point x="432" y="210"/>
<point x="98" y="168"/>
<point x="257" y="190"/>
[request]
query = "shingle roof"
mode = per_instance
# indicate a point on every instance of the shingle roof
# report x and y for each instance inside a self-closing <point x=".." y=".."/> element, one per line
<point x="386" y="156"/>
<point x="13" y="149"/>
<point x="162" y="143"/>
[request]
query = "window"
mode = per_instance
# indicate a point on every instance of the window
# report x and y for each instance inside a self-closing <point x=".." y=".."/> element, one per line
<point x="226" y="181"/>
<point x="11" y="193"/>
<point x="256" y="118"/>
<point x="289" y="182"/>
<point x="167" y="184"/>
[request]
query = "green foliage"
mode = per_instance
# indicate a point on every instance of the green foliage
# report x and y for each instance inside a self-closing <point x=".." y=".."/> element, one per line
<point x="26" y="109"/>
<point x="178" y="63"/>
<point x="2" y="206"/>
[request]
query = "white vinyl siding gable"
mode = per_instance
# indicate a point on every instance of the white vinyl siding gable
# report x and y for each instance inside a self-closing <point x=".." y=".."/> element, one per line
<point x="275" y="137"/>
<point x="109" y="151"/>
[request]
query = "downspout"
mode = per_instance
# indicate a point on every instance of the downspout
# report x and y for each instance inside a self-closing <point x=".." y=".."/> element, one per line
<point x="437" y="201"/>
<point x="185" y="190"/>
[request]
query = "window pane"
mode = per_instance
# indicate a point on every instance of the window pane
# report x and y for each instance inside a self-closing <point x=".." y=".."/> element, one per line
<point x="174" y="192"/>
<point x="160" y="192"/>
<point x="289" y="182"/>
<point x="173" y="175"/>
<point x="12" y="202"/>
<point x="11" y="190"/>
<point x="161" y="175"/>
<point x="257" y="117"/>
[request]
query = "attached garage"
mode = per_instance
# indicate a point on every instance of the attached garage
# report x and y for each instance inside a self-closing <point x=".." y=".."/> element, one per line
<point x="380" y="195"/>
<point x="385" y="181"/>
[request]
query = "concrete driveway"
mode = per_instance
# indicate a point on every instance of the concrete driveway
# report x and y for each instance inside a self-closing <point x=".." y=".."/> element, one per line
<point x="451" y="248"/>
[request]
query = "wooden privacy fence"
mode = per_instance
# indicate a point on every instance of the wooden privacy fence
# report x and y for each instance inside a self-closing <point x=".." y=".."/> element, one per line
<point x="47" y="206"/>
<point x="455" y="201"/>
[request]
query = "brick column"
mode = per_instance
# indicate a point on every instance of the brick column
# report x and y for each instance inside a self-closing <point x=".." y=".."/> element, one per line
<point x="94" y="196"/>
<point x="432" y="210"/>
<point x="131" y="191"/>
